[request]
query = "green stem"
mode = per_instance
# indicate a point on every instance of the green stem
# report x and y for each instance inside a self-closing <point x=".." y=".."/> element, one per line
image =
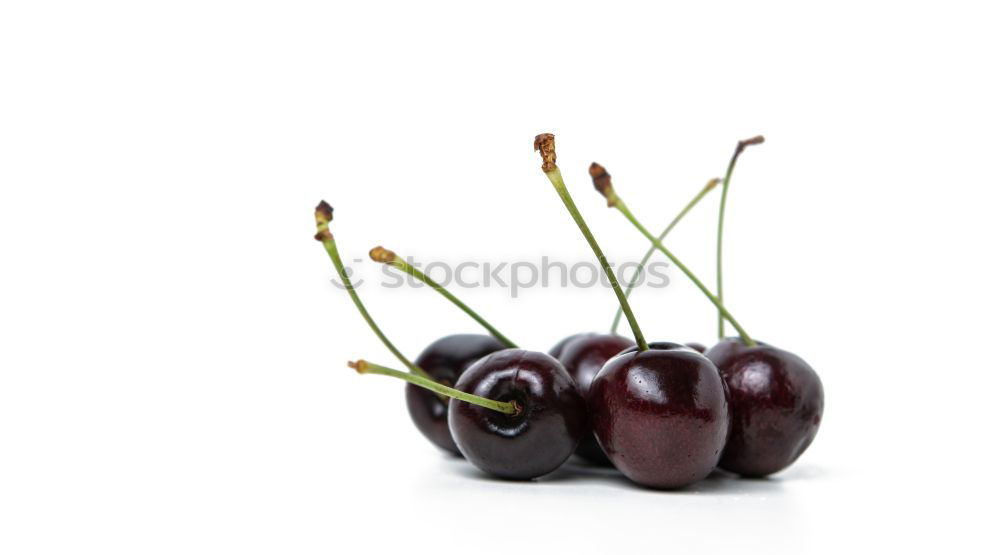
<point x="649" y="253"/>
<point x="740" y="147"/>
<point x="747" y="340"/>
<point x="510" y="407"/>
<point x="323" y="235"/>
<point x="555" y="176"/>
<point x="406" y="268"/>
<point x="718" y="245"/>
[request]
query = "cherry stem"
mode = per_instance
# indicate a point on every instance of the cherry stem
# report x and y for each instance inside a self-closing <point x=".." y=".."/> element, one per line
<point x="740" y="146"/>
<point x="649" y="253"/>
<point x="506" y="407"/>
<point x="620" y="205"/>
<point x="324" y="213"/>
<point x="385" y="256"/>
<point x="545" y="144"/>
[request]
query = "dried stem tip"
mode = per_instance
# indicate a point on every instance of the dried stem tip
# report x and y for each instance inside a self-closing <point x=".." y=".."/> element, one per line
<point x="383" y="255"/>
<point x="749" y="142"/>
<point x="360" y="366"/>
<point x="602" y="182"/>
<point x="545" y="144"/>
<point x="324" y="214"/>
<point x="712" y="183"/>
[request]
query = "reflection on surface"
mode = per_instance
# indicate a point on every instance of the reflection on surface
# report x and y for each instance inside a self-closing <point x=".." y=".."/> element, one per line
<point x="712" y="513"/>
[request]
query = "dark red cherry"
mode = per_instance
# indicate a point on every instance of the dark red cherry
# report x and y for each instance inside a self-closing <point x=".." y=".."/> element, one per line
<point x="660" y="415"/>
<point x="444" y="360"/>
<point x="776" y="400"/>
<point x="557" y="350"/>
<point x="696" y="346"/>
<point x="540" y="437"/>
<point x="583" y="355"/>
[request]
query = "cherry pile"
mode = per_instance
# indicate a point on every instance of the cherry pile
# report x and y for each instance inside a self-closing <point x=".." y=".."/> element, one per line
<point x="664" y="414"/>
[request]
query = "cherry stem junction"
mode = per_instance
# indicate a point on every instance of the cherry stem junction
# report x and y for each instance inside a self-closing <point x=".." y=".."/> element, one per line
<point x="545" y="144"/>
<point x="324" y="214"/>
<point x="649" y="253"/>
<point x="386" y="256"/>
<point x="740" y="147"/>
<point x="506" y="407"/>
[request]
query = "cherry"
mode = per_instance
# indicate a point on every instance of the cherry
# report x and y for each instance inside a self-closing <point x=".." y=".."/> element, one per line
<point x="659" y="411"/>
<point x="514" y="414"/>
<point x="776" y="400"/>
<point x="557" y="349"/>
<point x="697" y="346"/>
<point x="444" y="361"/>
<point x="532" y="442"/>
<point x="583" y="355"/>
<point x="660" y="415"/>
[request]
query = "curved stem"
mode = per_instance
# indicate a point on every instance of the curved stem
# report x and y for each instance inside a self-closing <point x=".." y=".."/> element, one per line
<point x="364" y="367"/>
<point x="747" y="340"/>
<point x="555" y="176"/>
<point x="406" y="268"/>
<point x="740" y="147"/>
<point x="323" y="235"/>
<point x="649" y="253"/>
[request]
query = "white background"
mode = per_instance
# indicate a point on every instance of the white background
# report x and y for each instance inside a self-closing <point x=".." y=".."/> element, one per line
<point x="172" y="370"/>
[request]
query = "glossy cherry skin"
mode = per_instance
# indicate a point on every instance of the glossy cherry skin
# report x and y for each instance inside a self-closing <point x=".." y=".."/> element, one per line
<point x="535" y="441"/>
<point x="583" y="355"/>
<point x="696" y="346"/>
<point x="444" y="360"/>
<point x="661" y="415"/>
<point x="556" y="351"/>
<point x="776" y="400"/>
